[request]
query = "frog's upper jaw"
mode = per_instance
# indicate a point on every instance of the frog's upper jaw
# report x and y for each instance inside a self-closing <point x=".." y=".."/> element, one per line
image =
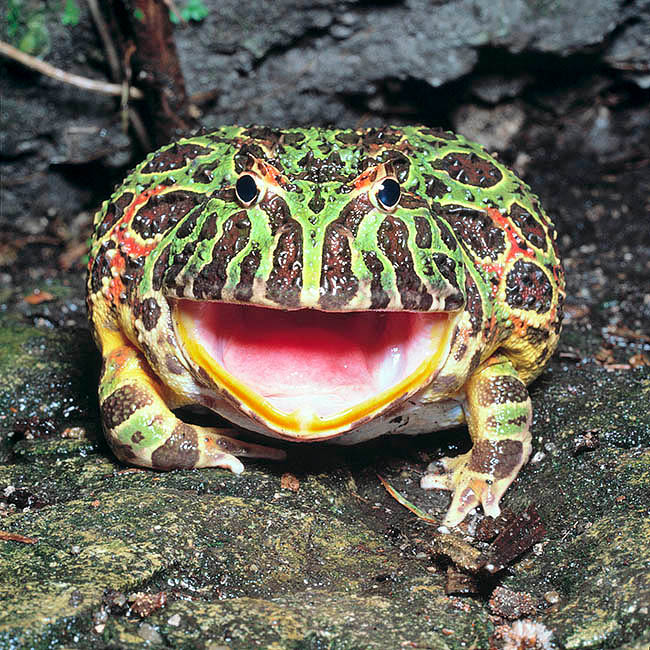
<point x="309" y="374"/>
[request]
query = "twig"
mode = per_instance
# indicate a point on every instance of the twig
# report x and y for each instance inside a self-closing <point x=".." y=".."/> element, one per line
<point x="67" y="77"/>
<point x="105" y="35"/>
<point x="16" y="537"/>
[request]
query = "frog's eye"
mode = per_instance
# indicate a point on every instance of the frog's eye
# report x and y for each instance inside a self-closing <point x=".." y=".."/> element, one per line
<point x="247" y="189"/>
<point x="388" y="193"/>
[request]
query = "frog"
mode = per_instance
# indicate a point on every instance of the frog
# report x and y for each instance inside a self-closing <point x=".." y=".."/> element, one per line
<point x="319" y="284"/>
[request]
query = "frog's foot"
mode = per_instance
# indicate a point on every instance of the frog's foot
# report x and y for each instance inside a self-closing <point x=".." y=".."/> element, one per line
<point x="471" y="485"/>
<point x="498" y="412"/>
<point x="142" y="430"/>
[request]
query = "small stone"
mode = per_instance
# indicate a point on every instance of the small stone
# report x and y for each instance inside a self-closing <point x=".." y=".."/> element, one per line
<point x="174" y="620"/>
<point x="76" y="598"/>
<point x="552" y="597"/>
<point x="289" y="482"/>
<point x="586" y="441"/>
<point x="149" y="633"/>
<point x="512" y="604"/>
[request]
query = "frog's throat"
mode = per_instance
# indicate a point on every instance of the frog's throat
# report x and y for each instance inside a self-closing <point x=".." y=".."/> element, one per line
<point x="309" y="374"/>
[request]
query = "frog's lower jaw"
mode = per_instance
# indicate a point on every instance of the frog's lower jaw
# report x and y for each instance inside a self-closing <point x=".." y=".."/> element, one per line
<point x="308" y="374"/>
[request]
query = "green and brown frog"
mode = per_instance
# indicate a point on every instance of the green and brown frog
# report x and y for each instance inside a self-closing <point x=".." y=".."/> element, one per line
<point x="316" y="284"/>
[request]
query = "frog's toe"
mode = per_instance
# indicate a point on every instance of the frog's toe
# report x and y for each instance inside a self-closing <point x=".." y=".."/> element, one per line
<point x="440" y="473"/>
<point x="470" y="488"/>
<point x="218" y="450"/>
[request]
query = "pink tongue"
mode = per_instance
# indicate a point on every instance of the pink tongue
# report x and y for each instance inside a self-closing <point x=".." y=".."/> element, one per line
<point x="291" y="355"/>
<point x="304" y="352"/>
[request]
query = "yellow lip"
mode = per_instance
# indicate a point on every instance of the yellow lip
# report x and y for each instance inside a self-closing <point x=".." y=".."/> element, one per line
<point x="304" y="424"/>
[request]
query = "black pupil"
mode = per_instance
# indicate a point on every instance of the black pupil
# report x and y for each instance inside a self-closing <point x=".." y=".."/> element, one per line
<point x="388" y="195"/>
<point x="246" y="188"/>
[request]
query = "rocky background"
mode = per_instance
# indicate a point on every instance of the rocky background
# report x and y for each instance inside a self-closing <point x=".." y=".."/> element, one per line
<point x="316" y="553"/>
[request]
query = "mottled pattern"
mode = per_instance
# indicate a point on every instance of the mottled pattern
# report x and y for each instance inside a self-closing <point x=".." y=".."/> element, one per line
<point x="173" y="157"/>
<point x="470" y="169"/>
<point x="379" y="298"/>
<point x="473" y="305"/>
<point x="338" y="283"/>
<point x="163" y="212"/>
<point x="530" y="227"/>
<point x="113" y="213"/>
<point x="528" y="287"/>
<point x="180" y="450"/>
<point x="392" y="238"/>
<point x="120" y="405"/>
<point x="476" y="230"/>
<point x="495" y="457"/>
<point x="501" y="390"/>
<point x="150" y="313"/>
<point x="285" y="281"/>
<point x="210" y="280"/>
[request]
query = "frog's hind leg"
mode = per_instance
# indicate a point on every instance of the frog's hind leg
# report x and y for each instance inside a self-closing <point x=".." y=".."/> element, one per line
<point x="498" y="413"/>
<point x="142" y="430"/>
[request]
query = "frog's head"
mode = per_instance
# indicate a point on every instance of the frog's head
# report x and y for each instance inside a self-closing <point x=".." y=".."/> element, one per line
<point x="315" y="284"/>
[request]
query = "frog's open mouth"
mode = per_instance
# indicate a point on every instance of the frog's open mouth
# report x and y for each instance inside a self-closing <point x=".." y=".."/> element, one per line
<point x="311" y="374"/>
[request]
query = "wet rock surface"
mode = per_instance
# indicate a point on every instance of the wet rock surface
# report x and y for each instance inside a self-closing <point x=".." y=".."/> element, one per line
<point x="314" y="552"/>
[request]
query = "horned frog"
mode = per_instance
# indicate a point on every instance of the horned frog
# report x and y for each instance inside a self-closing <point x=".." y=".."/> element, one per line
<point x="317" y="284"/>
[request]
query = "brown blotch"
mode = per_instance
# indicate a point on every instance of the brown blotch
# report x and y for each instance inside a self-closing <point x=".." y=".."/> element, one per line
<point x="501" y="389"/>
<point x="248" y="268"/>
<point x="114" y="212"/>
<point x="121" y="450"/>
<point x="122" y="403"/>
<point x="133" y="271"/>
<point x="163" y="211"/>
<point x="422" y="232"/>
<point x="285" y="280"/>
<point x="173" y="365"/>
<point x="497" y="458"/>
<point x="159" y="268"/>
<point x="317" y="202"/>
<point x="354" y="212"/>
<point x="528" y="287"/>
<point x="475" y="229"/>
<point x="435" y="187"/>
<point x="204" y="174"/>
<point x="137" y="437"/>
<point x="412" y="202"/>
<point x="180" y="450"/>
<point x="380" y="136"/>
<point x="379" y="299"/>
<point x="210" y="280"/>
<point x="447" y="268"/>
<point x="475" y="362"/>
<point x="101" y="266"/>
<point x="537" y="335"/>
<point x="392" y="238"/>
<point x="338" y="283"/>
<point x="438" y="133"/>
<point x="321" y="170"/>
<point x="529" y="226"/>
<point x="469" y="169"/>
<point x="276" y="210"/>
<point x="150" y="313"/>
<point x="473" y="304"/>
<point x="174" y="157"/>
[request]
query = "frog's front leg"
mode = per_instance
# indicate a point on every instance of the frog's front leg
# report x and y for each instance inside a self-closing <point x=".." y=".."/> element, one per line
<point x="142" y="430"/>
<point x="498" y="412"/>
